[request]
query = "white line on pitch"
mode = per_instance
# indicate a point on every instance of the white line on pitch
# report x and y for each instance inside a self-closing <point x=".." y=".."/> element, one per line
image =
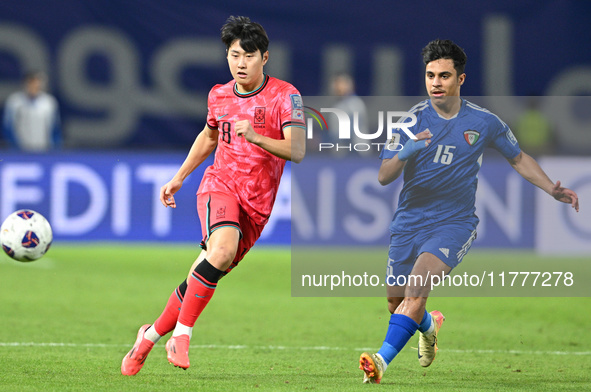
<point x="311" y="348"/>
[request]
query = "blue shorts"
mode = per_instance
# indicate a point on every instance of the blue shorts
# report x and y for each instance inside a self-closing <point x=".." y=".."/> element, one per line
<point x="449" y="242"/>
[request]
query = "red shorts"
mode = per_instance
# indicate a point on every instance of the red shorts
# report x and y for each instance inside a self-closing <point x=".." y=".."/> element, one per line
<point x="217" y="210"/>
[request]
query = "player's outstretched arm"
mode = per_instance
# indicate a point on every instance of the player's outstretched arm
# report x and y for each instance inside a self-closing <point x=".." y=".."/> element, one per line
<point x="203" y="145"/>
<point x="529" y="169"/>
<point x="565" y="195"/>
<point x="291" y="148"/>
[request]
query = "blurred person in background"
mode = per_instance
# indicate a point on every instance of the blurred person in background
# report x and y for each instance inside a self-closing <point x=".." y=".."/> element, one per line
<point x="31" y="116"/>
<point x="534" y="130"/>
<point x="343" y="87"/>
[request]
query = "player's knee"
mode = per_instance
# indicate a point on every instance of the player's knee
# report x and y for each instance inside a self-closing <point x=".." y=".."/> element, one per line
<point x="418" y="290"/>
<point x="221" y="256"/>
<point x="413" y="302"/>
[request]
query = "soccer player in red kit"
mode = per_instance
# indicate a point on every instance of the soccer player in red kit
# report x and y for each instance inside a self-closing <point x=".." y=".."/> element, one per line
<point x="257" y="123"/>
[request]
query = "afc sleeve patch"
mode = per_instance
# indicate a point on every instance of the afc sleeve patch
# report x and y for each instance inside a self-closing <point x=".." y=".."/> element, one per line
<point x="511" y="137"/>
<point x="296" y="102"/>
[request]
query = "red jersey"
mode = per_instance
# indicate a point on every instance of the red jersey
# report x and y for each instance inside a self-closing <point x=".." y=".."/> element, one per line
<point x="240" y="167"/>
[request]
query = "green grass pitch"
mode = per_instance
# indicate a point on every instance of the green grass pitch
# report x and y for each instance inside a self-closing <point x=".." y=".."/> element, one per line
<point x="68" y="319"/>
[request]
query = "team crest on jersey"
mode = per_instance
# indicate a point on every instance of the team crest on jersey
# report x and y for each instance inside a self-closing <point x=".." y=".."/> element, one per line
<point x="471" y="136"/>
<point x="259" y="115"/>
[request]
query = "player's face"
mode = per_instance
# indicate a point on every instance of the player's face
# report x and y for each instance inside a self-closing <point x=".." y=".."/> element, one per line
<point x="442" y="80"/>
<point x="246" y="67"/>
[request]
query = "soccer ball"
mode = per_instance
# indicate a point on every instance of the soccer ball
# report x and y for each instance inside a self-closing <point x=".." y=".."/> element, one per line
<point x="25" y="235"/>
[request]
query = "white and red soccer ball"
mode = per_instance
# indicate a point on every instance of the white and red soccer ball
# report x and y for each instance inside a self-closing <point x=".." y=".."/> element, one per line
<point x="25" y="235"/>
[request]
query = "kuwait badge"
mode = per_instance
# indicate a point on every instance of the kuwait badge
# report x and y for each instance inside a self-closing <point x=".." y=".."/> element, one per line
<point x="471" y="136"/>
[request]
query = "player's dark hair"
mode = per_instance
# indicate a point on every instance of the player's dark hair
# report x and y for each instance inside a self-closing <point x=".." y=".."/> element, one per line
<point x="252" y="36"/>
<point x="445" y="49"/>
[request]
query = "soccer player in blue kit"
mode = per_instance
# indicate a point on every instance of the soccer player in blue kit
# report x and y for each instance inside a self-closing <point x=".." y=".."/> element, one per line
<point x="435" y="221"/>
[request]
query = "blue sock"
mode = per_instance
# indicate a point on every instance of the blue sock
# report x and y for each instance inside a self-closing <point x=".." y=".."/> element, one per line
<point x="400" y="330"/>
<point x="425" y="322"/>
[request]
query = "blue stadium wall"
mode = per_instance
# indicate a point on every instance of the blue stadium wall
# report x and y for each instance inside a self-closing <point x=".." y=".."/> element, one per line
<point x="114" y="197"/>
<point x="136" y="73"/>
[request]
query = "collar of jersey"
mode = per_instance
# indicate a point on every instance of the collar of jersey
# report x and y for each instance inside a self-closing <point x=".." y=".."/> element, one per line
<point x="253" y="92"/>
<point x="454" y="116"/>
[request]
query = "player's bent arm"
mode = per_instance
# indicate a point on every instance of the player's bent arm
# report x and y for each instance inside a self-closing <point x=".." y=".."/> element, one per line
<point x="297" y="143"/>
<point x="529" y="169"/>
<point x="291" y="148"/>
<point x="202" y="147"/>
<point x="390" y="170"/>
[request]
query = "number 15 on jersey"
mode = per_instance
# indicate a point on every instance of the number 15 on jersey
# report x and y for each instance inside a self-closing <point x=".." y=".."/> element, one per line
<point x="444" y="154"/>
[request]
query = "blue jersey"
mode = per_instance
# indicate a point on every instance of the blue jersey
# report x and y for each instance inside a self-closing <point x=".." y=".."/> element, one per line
<point x="440" y="181"/>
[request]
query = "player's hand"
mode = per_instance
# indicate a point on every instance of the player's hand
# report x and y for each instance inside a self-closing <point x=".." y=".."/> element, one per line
<point x="167" y="192"/>
<point x="244" y="129"/>
<point x="412" y="147"/>
<point x="565" y="195"/>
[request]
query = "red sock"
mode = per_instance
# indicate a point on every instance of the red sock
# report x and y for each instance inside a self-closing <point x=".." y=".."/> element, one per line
<point x="167" y="320"/>
<point x="200" y="288"/>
